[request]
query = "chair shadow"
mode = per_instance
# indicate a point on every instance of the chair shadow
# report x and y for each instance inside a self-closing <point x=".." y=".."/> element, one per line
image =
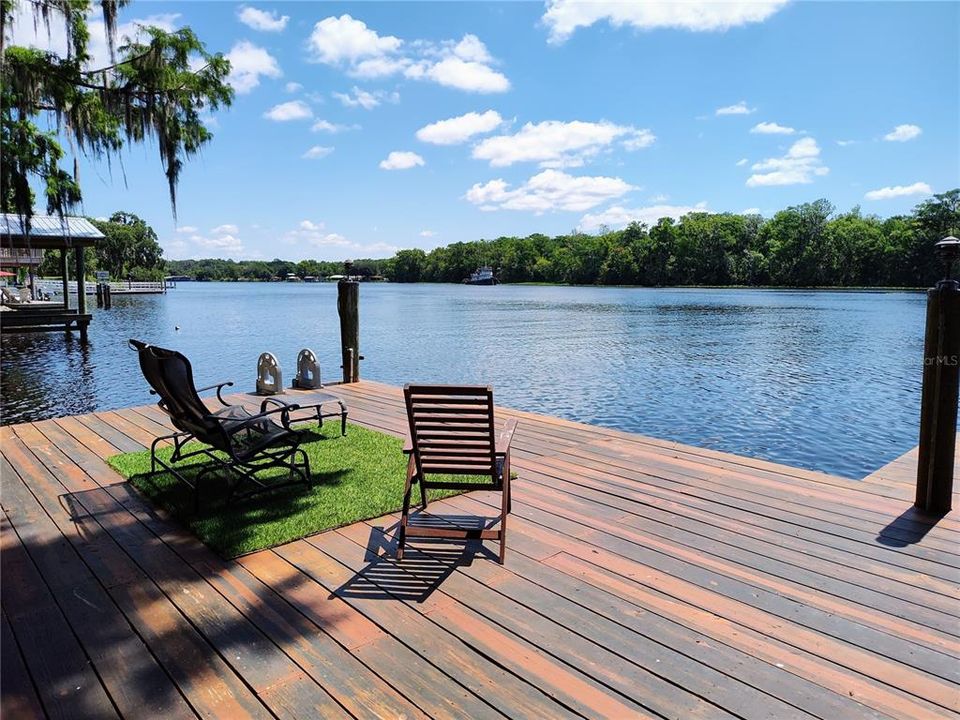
<point x="908" y="528"/>
<point x="425" y="565"/>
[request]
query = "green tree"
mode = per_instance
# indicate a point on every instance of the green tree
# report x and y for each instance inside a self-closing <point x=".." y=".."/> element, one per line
<point x="149" y="90"/>
<point x="409" y="266"/>
<point x="798" y="251"/>
<point x="129" y="247"/>
<point x="933" y="220"/>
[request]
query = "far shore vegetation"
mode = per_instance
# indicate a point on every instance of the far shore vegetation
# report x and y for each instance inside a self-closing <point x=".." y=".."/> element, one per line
<point x="805" y="246"/>
<point x="808" y="245"/>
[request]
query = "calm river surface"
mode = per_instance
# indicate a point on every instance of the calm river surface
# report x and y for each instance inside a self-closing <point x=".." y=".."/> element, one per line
<point x="821" y="380"/>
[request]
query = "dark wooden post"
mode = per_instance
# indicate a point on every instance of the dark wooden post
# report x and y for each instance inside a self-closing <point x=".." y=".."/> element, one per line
<point x="65" y="277"/>
<point x="348" y="307"/>
<point x="99" y="294"/>
<point x="79" y="254"/>
<point x="941" y="383"/>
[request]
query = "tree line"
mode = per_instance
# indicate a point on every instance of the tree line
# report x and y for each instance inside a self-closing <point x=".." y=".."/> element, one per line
<point x="809" y="245"/>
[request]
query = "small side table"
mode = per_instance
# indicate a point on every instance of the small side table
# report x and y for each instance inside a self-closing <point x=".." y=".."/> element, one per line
<point x="313" y="407"/>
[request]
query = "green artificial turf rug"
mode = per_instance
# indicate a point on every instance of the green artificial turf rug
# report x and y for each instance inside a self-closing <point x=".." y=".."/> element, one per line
<point x="354" y="477"/>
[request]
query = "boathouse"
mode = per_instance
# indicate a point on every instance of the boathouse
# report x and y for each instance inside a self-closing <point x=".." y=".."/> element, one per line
<point x="45" y="233"/>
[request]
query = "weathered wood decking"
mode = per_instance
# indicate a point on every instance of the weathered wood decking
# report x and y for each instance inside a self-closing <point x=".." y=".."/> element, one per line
<point x="643" y="579"/>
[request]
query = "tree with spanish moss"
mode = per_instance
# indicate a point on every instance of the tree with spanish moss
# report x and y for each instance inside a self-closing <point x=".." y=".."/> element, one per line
<point x="157" y="85"/>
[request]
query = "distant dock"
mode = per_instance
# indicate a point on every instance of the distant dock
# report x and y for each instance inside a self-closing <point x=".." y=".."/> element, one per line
<point x="117" y="287"/>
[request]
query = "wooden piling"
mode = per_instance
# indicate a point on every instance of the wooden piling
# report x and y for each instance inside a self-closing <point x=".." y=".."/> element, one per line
<point x="79" y="256"/>
<point x="938" y="405"/>
<point x="65" y="278"/>
<point x="348" y="307"/>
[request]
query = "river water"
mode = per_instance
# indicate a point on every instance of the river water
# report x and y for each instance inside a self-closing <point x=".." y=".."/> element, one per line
<point x="815" y="379"/>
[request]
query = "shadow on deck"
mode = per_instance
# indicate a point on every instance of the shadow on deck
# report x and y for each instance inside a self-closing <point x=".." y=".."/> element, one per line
<point x="643" y="579"/>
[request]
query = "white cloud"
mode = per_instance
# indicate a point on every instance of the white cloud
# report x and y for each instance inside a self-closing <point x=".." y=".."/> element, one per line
<point x="751" y="211"/>
<point x="798" y="167"/>
<point x="887" y="193"/>
<point x="345" y="40"/>
<point x="466" y="75"/>
<point x="367" y="100"/>
<point x="459" y="129"/>
<point x="186" y="229"/>
<point x="350" y="44"/>
<point x="326" y="245"/>
<point x="639" y="139"/>
<point x="317" y="152"/>
<point x="845" y="143"/>
<point x="617" y="216"/>
<point x="398" y="160"/>
<point x="220" y="246"/>
<point x="739" y="108"/>
<point x="559" y="144"/>
<point x="226" y="229"/>
<point x="564" y="17"/>
<point x="427" y="233"/>
<point x="902" y="133"/>
<point x="292" y="87"/>
<point x="262" y="20"/>
<point x="174" y="249"/>
<point x="248" y="63"/>
<point x="771" y="128"/>
<point x="741" y="162"/>
<point x="332" y="128"/>
<point x="292" y="110"/>
<point x="549" y="190"/>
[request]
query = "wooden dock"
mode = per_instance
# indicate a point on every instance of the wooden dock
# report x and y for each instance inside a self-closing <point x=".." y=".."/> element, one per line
<point x="644" y="579"/>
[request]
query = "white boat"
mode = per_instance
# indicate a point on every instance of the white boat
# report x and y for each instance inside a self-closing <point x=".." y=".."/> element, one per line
<point x="482" y="276"/>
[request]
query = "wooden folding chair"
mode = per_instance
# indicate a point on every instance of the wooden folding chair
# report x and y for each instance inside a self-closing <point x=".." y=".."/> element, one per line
<point x="452" y="433"/>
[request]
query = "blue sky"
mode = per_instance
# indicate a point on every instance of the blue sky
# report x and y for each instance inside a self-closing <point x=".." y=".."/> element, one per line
<point x="562" y="115"/>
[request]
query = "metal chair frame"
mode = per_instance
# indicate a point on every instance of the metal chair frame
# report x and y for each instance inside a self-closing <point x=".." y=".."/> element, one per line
<point x="218" y="433"/>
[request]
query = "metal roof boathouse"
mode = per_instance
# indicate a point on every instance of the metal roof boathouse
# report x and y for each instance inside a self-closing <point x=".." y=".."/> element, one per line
<point x="19" y="236"/>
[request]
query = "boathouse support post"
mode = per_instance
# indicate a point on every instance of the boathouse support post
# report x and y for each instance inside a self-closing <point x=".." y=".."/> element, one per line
<point x="941" y="386"/>
<point x="65" y="277"/>
<point x="79" y="254"/>
<point x="348" y="307"/>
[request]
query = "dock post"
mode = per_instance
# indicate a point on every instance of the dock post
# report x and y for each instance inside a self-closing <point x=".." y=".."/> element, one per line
<point x="941" y="384"/>
<point x="348" y="307"/>
<point x="81" y="289"/>
<point x="65" y="277"/>
<point x="99" y="294"/>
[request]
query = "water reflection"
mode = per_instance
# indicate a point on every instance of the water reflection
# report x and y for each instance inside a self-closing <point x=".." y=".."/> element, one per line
<point x="824" y="380"/>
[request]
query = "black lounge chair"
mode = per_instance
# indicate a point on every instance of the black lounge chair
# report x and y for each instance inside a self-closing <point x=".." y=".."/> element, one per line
<point x="240" y="442"/>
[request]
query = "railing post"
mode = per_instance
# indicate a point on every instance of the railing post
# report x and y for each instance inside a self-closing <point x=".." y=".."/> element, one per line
<point x="941" y="383"/>
<point x="348" y="307"/>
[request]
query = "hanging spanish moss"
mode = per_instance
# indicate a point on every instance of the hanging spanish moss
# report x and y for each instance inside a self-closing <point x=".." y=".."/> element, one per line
<point x="156" y="86"/>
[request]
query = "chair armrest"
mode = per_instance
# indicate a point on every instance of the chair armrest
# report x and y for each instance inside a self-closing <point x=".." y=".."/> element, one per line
<point x="407" y="446"/>
<point x="219" y="388"/>
<point x="506" y="436"/>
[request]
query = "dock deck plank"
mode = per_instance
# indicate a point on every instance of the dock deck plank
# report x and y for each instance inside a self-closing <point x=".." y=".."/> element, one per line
<point x="644" y="578"/>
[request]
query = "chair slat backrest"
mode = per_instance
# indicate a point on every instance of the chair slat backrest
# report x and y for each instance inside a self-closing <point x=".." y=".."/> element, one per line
<point x="452" y="429"/>
<point x="170" y="375"/>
